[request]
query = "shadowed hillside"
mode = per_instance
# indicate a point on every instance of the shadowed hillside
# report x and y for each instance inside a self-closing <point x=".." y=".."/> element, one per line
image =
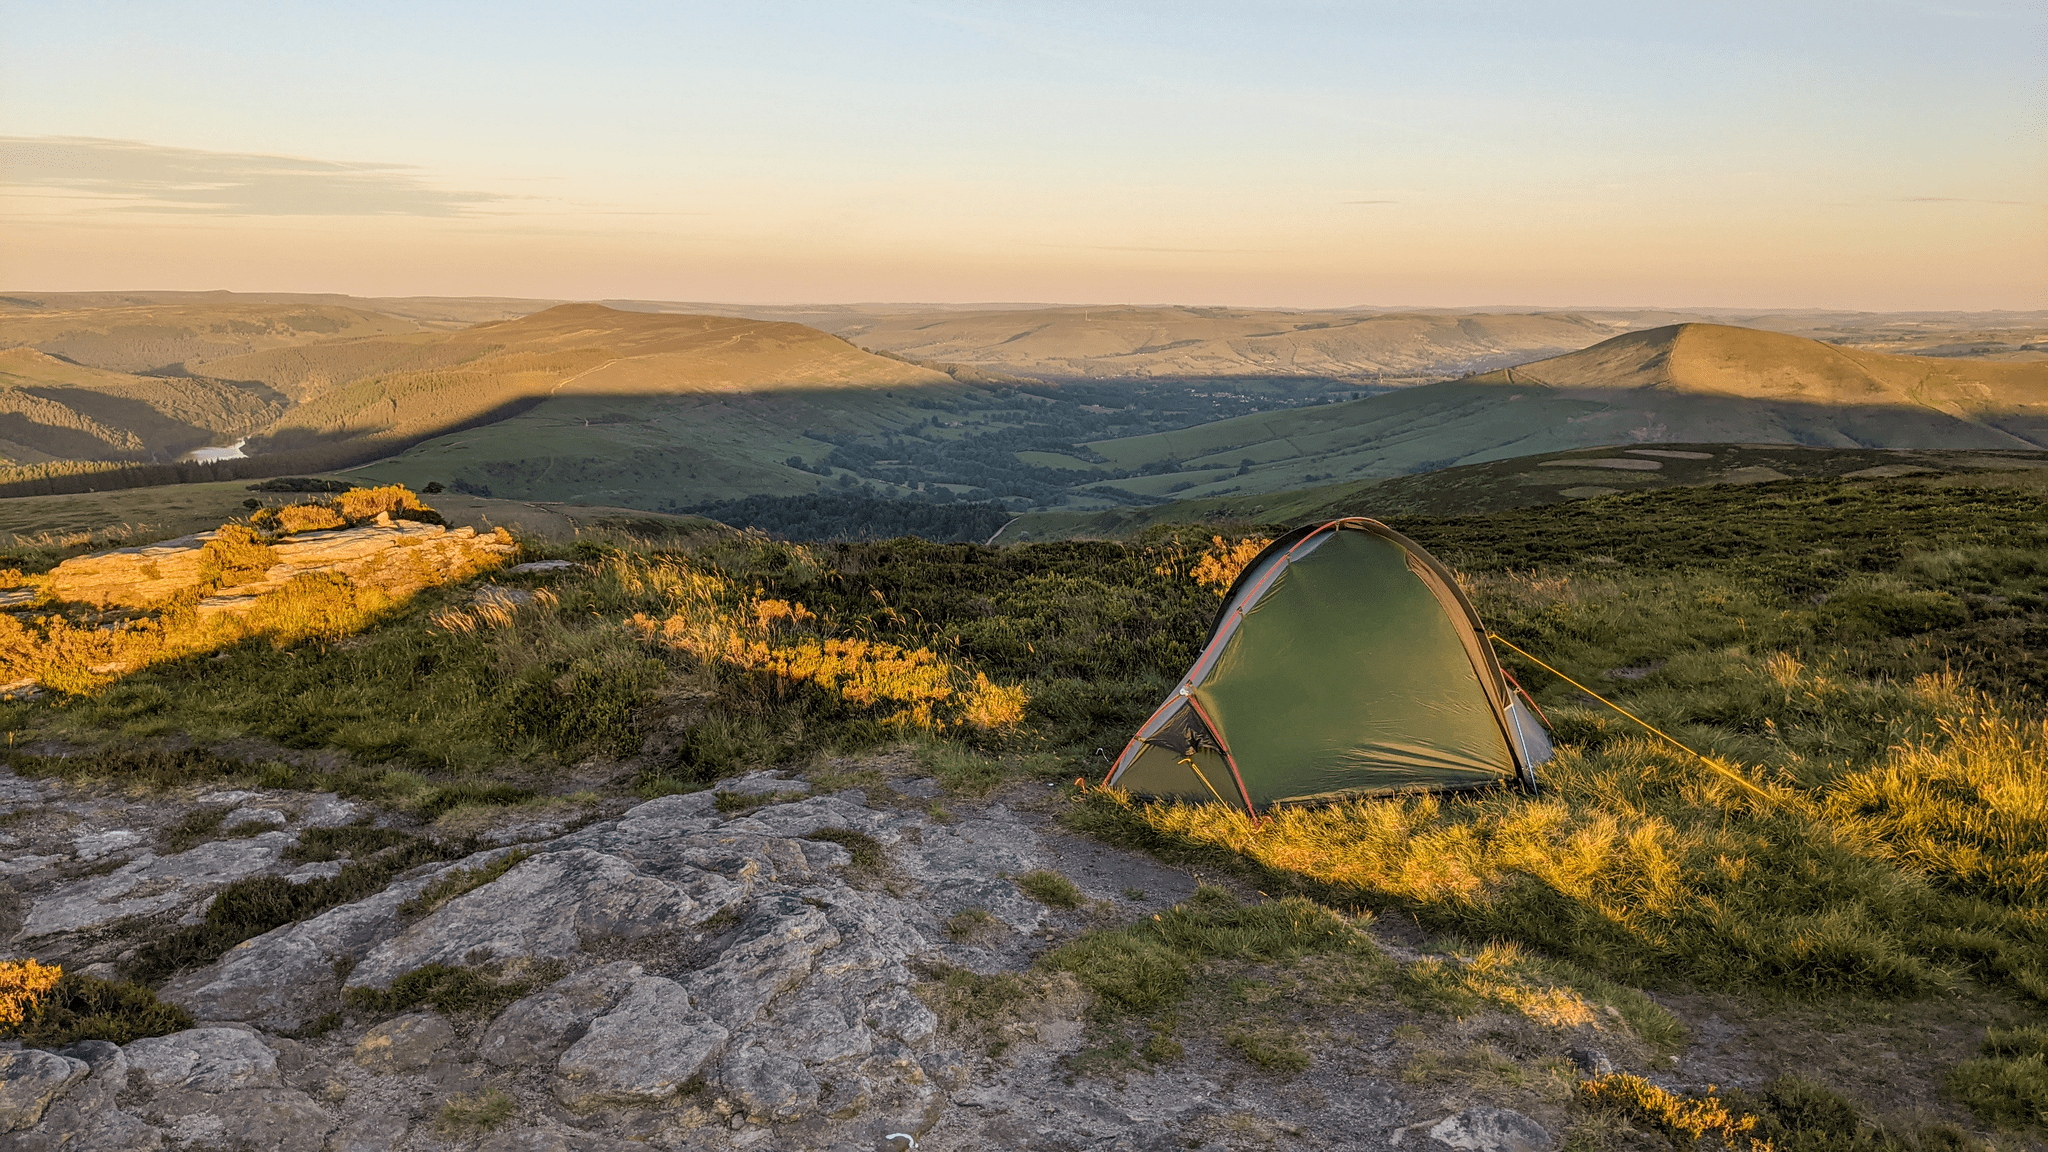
<point x="53" y="409"/>
<point x="1697" y="383"/>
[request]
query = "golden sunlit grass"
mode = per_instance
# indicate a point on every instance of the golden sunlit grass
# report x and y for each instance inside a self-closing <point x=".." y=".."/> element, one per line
<point x="1688" y="1118"/>
<point x="23" y="984"/>
<point x="712" y="619"/>
<point x="1889" y="838"/>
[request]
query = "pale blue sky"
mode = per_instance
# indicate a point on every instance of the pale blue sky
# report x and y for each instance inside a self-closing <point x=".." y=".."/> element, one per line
<point x="1882" y="154"/>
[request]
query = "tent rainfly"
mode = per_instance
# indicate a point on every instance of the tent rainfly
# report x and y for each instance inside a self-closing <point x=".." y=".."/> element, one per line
<point x="1345" y="662"/>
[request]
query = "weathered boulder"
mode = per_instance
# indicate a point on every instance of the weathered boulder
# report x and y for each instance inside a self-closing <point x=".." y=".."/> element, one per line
<point x="86" y="1116"/>
<point x="152" y="884"/>
<point x="555" y="1140"/>
<point x="777" y="945"/>
<point x="640" y="1052"/>
<point x="279" y="1119"/>
<point x="94" y="845"/>
<point x="240" y="817"/>
<point x="1491" y="1130"/>
<point x="67" y="1127"/>
<point x="769" y="1086"/>
<point x="29" y="1080"/>
<point x="534" y="1030"/>
<point x="545" y="907"/>
<point x="205" y="1060"/>
<point x="405" y="1044"/>
<point x="374" y="1131"/>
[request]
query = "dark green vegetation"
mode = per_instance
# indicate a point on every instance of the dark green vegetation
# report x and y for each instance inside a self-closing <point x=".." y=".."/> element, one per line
<point x="248" y="908"/>
<point x="2009" y="1083"/>
<point x="1548" y="478"/>
<point x="85" y="1007"/>
<point x="478" y="990"/>
<point x="1050" y="889"/>
<point x="865" y="849"/>
<point x="832" y="516"/>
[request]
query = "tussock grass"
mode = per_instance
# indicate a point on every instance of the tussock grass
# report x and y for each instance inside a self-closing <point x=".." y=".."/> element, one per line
<point x="478" y="990"/>
<point x="972" y="925"/>
<point x="2008" y="1085"/>
<point x="1148" y="967"/>
<point x="865" y="849"/>
<point x="1549" y="992"/>
<point x="1050" y="889"/>
<point x="475" y="1112"/>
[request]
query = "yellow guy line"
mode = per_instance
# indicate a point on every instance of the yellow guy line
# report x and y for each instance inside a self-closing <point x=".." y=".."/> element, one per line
<point x="1730" y="773"/>
<point x="1197" y="769"/>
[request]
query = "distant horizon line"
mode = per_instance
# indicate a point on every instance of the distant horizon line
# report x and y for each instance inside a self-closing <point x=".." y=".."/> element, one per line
<point x="1020" y="305"/>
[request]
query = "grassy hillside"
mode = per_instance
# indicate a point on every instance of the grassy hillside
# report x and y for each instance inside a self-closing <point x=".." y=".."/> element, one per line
<point x="1549" y="478"/>
<point x="55" y="409"/>
<point x="1866" y="656"/>
<point x="1693" y="383"/>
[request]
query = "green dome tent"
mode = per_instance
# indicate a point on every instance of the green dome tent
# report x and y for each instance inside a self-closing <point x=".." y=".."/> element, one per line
<point x="1345" y="662"/>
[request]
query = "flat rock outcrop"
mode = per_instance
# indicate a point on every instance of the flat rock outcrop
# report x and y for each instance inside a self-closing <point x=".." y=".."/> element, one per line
<point x="680" y="978"/>
<point x="398" y="556"/>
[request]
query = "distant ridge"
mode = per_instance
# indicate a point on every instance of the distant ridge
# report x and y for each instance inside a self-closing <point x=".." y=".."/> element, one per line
<point x="1696" y="383"/>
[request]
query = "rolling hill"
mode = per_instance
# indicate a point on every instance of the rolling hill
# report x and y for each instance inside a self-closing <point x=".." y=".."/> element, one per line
<point x="137" y="334"/>
<point x="1697" y="383"/>
<point x="581" y="401"/>
<point x="1126" y="342"/>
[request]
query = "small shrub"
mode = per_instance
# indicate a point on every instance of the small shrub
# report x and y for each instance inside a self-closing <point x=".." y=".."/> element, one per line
<point x="865" y="849"/>
<point x="304" y="518"/>
<point x="447" y="798"/>
<point x="1050" y="889"/>
<point x="77" y="1007"/>
<point x="482" y="990"/>
<point x="23" y="986"/>
<point x="990" y="707"/>
<point x="193" y="828"/>
<point x="234" y="556"/>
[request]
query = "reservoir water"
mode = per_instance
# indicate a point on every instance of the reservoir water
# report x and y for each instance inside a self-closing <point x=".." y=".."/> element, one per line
<point x="210" y="455"/>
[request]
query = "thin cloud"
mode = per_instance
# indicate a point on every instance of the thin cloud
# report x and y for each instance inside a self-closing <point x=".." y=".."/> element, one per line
<point x="133" y="176"/>
<point x="1371" y="201"/>
<point x="1952" y="200"/>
